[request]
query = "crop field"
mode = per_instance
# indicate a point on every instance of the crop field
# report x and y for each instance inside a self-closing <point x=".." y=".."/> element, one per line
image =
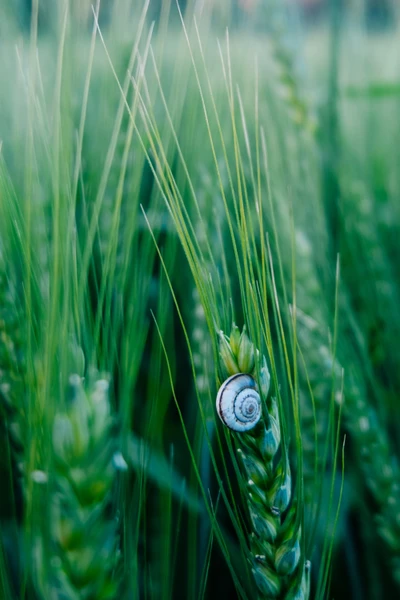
<point x="199" y="300"/>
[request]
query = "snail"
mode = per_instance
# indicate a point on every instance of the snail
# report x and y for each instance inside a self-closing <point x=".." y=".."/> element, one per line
<point x="239" y="403"/>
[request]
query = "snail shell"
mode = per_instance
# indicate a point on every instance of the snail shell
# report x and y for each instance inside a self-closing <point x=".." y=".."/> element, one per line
<point x="239" y="403"/>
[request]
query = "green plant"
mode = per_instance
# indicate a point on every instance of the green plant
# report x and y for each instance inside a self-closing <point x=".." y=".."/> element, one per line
<point x="80" y="559"/>
<point x="251" y="412"/>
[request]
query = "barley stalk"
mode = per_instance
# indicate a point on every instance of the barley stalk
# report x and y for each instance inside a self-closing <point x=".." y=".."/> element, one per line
<point x="275" y="542"/>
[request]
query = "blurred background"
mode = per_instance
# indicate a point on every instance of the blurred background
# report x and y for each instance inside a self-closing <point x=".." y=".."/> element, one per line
<point x="374" y="14"/>
<point x="328" y="81"/>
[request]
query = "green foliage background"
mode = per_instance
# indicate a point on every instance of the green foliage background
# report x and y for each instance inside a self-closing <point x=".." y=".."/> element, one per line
<point x="160" y="178"/>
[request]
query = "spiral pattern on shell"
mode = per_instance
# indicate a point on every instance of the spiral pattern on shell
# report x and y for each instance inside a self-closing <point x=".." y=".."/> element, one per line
<point x="239" y="403"/>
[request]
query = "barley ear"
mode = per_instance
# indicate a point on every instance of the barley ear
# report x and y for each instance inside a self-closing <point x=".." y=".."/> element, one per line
<point x="83" y="530"/>
<point x="244" y="405"/>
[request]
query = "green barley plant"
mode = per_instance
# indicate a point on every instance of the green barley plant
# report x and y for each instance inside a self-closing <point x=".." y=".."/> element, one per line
<point x="161" y="178"/>
<point x="81" y="560"/>
<point x="274" y="549"/>
<point x="72" y="275"/>
<point x="275" y="542"/>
